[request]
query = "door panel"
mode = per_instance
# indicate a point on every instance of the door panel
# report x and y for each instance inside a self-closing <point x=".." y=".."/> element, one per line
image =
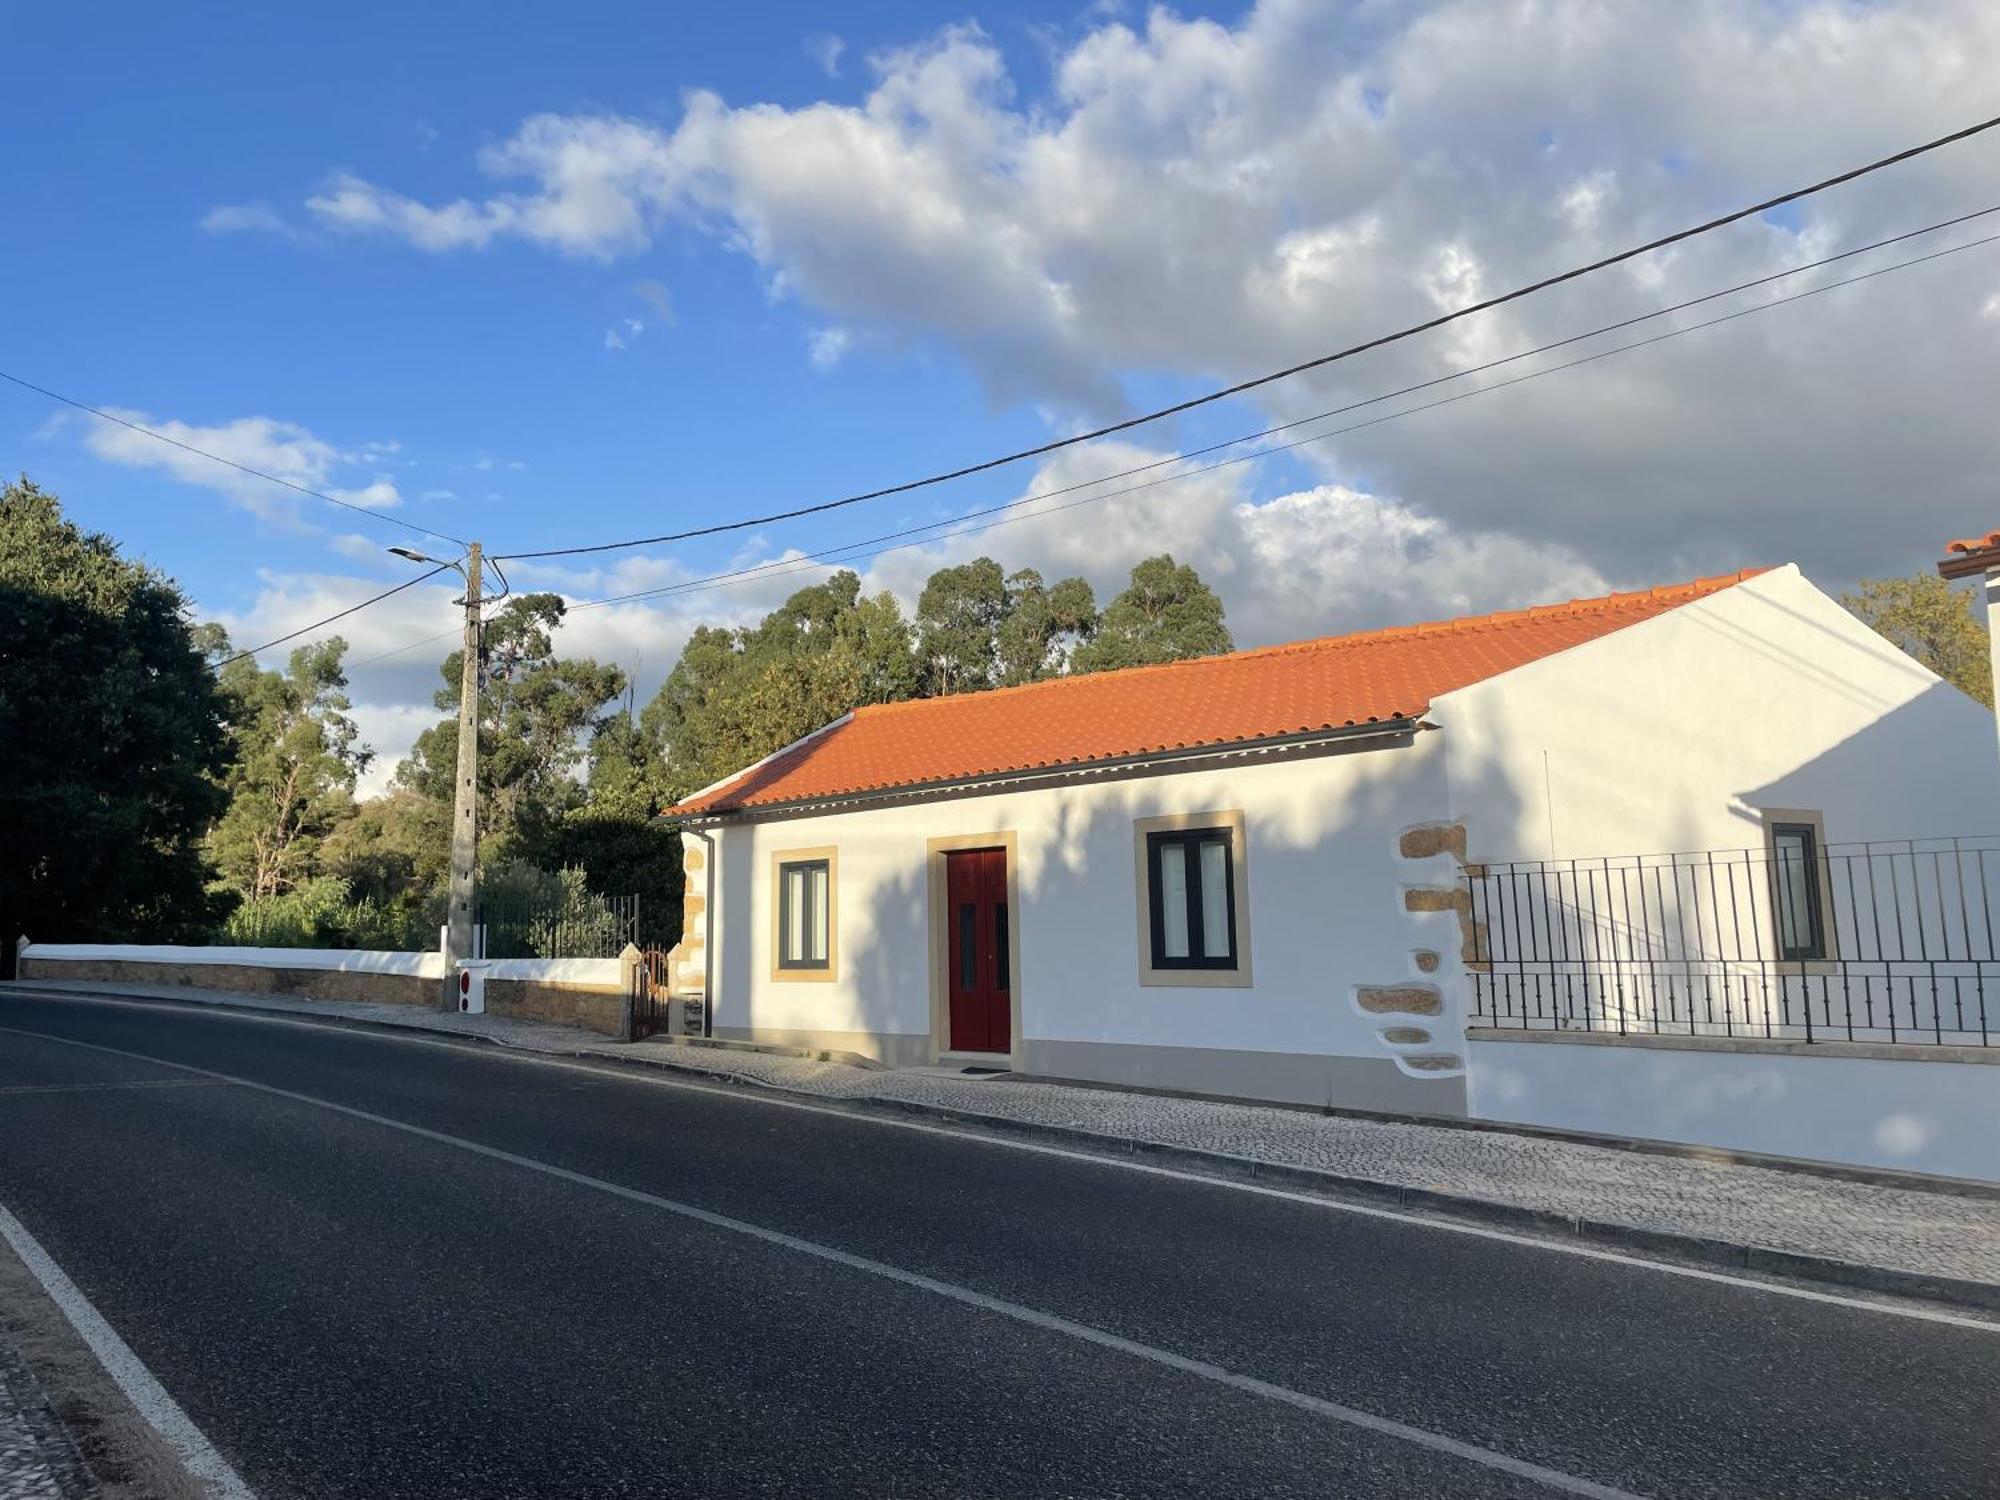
<point x="977" y="964"/>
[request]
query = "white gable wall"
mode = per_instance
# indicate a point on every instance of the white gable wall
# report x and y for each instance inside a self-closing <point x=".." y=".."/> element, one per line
<point x="1674" y="735"/>
<point x="1671" y="734"/>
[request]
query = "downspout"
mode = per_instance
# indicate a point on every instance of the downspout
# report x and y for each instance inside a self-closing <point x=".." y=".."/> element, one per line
<point x="707" y="932"/>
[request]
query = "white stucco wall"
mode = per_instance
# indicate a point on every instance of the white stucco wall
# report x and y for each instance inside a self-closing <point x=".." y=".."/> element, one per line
<point x="1324" y="892"/>
<point x="1671" y="734"/>
<point x="1921" y="1116"/>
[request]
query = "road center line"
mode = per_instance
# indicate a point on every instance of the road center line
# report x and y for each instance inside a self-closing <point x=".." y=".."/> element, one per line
<point x="160" y="1410"/>
<point x="1488" y="1458"/>
<point x="12" y="1089"/>
<point x="767" y="1096"/>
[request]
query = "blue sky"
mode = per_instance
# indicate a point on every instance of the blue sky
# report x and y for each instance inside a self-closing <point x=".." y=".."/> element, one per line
<point x="500" y="358"/>
<point x="544" y="275"/>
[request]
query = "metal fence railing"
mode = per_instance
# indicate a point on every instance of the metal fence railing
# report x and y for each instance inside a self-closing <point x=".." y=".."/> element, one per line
<point x="1852" y="942"/>
<point x="597" y="928"/>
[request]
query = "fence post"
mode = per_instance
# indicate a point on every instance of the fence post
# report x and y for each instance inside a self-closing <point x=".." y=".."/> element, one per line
<point x="631" y="973"/>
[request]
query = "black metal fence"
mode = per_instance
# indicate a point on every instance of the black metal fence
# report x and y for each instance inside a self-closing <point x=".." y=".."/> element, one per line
<point x="597" y="928"/>
<point x="1885" y="942"/>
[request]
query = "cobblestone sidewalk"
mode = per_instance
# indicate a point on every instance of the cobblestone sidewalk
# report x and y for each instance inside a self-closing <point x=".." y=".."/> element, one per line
<point x="1799" y="1213"/>
<point x="37" y="1459"/>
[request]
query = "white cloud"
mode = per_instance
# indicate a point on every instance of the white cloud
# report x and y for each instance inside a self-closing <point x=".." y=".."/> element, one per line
<point x="827" y="347"/>
<point x="621" y="334"/>
<point x="238" y="218"/>
<point x="283" y="449"/>
<point x="1319" y="560"/>
<point x="656" y="296"/>
<point x="440" y="495"/>
<point x="826" y="50"/>
<point x="1209" y="200"/>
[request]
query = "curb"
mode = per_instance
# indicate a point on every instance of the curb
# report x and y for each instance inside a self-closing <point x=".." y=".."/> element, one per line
<point x="1662" y="1244"/>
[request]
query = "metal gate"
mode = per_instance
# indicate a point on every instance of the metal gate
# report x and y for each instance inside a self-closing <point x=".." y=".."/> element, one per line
<point x="650" y="993"/>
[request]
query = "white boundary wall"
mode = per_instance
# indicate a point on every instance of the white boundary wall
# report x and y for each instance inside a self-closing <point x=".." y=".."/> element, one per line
<point x="1917" y="1114"/>
<point x="585" y="971"/>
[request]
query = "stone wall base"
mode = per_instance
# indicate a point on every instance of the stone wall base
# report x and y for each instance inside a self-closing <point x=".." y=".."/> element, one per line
<point x="299" y="984"/>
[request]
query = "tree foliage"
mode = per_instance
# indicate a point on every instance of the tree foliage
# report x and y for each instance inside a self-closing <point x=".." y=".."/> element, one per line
<point x="111" y="735"/>
<point x="736" y="695"/>
<point x="1166" y="614"/>
<point x="297" y="755"/>
<point x="536" y="711"/>
<point x="1935" y="623"/>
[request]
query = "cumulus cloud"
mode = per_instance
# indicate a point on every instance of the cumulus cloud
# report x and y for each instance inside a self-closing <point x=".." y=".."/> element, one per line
<point x="1209" y="200"/>
<point x="283" y="449"/>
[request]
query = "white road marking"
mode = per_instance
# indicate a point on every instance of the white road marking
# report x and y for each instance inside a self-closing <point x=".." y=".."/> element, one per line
<point x="610" y="1071"/>
<point x="1436" y="1442"/>
<point x="159" y="1409"/>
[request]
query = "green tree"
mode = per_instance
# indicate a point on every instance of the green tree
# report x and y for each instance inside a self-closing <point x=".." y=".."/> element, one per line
<point x="736" y="696"/>
<point x="1042" y="627"/>
<point x="393" y="851"/>
<point x="1933" y="621"/>
<point x="1167" y="614"/>
<point x="297" y="757"/>
<point x="111" y="735"/>
<point x="959" y="615"/>
<point x="537" y="711"/>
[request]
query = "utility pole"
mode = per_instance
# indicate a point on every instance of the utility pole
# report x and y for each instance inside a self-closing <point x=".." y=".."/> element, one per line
<point x="464" y="890"/>
<point x="465" y="793"/>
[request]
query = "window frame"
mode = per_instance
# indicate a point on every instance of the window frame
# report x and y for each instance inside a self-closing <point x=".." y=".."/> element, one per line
<point x="1191" y="841"/>
<point x="1814" y="897"/>
<point x="1812" y="822"/>
<point x="795" y="970"/>
<point x="1155" y="969"/>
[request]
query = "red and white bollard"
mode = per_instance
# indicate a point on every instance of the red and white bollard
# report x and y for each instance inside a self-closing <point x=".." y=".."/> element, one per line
<point x="472" y="987"/>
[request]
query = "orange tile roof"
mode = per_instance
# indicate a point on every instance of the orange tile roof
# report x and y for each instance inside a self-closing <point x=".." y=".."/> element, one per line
<point x="1308" y="686"/>
<point x="1969" y="555"/>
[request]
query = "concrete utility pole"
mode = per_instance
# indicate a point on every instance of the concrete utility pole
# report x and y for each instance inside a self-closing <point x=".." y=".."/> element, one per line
<point x="1967" y="559"/>
<point x="464" y="892"/>
<point x="465" y="793"/>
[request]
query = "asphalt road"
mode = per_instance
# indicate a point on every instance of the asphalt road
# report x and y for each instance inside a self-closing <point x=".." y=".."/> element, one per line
<point x="479" y="1274"/>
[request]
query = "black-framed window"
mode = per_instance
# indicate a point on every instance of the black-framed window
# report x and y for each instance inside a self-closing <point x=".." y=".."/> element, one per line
<point x="1191" y="888"/>
<point x="1795" y="891"/>
<point x="805" y="906"/>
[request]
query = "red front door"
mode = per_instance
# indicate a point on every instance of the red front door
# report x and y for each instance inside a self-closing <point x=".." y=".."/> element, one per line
<point x="978" y="960"/>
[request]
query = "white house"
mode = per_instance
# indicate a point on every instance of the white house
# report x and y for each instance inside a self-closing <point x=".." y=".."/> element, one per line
<point x="1262" y="874"/>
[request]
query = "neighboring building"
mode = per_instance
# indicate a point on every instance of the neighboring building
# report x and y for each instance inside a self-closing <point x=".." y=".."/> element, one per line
<point x="1246" y="874"/>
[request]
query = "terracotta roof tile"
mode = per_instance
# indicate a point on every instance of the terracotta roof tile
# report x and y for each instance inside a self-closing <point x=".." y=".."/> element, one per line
<point x="1987" y="543"/>
<point x="1307" y="686"/>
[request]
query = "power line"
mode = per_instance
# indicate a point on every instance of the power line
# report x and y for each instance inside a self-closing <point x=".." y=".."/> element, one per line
<point x="1312" y="364"/>
<point x="158" y="436"/>
<point x="317" y="624"/>
<point x="953" y="526"/>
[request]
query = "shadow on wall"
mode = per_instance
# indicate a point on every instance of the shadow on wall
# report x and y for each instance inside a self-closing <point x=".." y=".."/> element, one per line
<point x="1928" y="769"/>
<point x="1326" y="908"/>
